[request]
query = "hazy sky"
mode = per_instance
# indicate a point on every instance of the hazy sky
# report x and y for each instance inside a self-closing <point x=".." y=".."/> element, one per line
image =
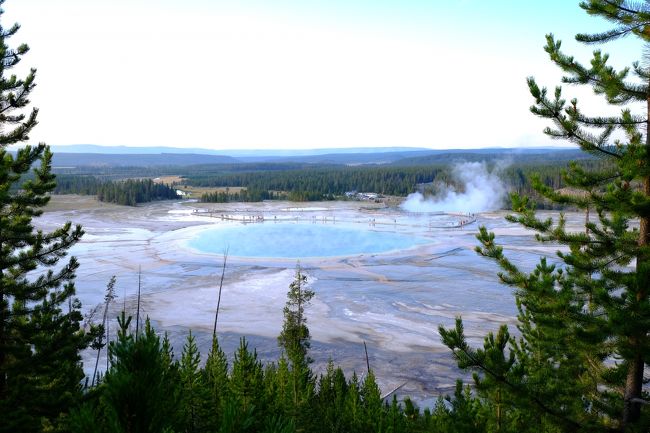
<point x="295" y="73"/>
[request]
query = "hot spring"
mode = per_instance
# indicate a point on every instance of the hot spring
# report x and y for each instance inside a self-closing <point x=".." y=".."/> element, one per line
<point x="300" y="240"/>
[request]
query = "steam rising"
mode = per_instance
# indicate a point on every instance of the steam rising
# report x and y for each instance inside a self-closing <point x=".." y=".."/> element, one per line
<point x="482" y="191"/>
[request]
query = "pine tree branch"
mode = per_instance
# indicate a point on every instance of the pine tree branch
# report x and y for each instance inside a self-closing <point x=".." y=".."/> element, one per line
<point x="608" y="35"/>
<point x="42" y="256"/>
<point x="457" y="343"/>
<point x="621" y="8"/>
<point x="41" y="285"/>
<point x="554" y="110"/>
<point x="604" y="79"/>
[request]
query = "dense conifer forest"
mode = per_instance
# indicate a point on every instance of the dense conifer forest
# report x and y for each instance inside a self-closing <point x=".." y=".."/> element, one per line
<point x="127" y="192"/>
<point x="307" y="183"/>
<point x="244" y="195"/>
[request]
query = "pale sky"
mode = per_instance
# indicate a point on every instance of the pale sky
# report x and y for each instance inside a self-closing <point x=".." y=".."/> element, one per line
<point x="262" y="74"/>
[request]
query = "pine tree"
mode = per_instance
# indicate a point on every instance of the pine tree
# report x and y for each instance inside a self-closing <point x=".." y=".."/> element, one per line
<point x="194" y="393"/>
<point x="140" y="390"/>
<point x="330" y="403"/>
<point x="372" y="403"/>
<point x="99" y="344"/>
<point x="216" y="379"/>
<point x="578" y="364"/>
<point x="295" y="340"/>
<point x="40" y="334"/>
<point x="246" y="390"/>
<point x="353" y="409"/>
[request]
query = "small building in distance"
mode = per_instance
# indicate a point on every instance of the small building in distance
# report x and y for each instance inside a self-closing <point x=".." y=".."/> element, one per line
<point x="366" y="196"/>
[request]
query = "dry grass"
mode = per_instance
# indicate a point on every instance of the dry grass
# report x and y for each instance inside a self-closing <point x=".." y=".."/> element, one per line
<point x="197" y="191"/>
<point x="169" y="179"/>
<point x="66" y="202"/>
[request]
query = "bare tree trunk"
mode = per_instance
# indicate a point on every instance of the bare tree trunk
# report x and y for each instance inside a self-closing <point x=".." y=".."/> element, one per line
<point x="634" y="379"/>
<point x="3" y="376"/>
<point x="108" y="334"/>
<point x="137" y="313"/>
<point x="99" y="350"/>
<point x="633" y="385"/>
<point x="216" y="314"/>
<point x="367" y="359"/>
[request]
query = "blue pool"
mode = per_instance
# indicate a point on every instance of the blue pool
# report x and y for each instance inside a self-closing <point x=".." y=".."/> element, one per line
<point x="296" y="241"/>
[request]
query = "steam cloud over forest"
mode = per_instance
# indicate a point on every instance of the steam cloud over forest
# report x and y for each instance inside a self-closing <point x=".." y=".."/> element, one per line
<point x="482" y="190"/>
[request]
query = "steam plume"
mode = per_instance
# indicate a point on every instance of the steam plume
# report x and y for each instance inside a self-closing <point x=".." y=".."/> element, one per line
<point x="482" y="191"/>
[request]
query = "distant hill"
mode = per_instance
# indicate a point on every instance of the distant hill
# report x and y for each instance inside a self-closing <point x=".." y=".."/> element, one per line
<point x="252" y="153"/>
<point x="123" y="156"/>
<point x="377" y="157"/>
<point x="132" y="150"/>
<point x="294" y="153"/>
<point x="529" y="156"/>
<point x="61" y="159"/>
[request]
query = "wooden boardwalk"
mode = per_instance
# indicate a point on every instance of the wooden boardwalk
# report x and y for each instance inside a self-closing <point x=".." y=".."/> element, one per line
<point x="248" y="216"/>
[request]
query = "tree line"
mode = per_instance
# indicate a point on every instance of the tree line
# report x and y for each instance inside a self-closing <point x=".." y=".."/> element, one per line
<point x="252" y="195"/>
<point x="318" y="182"/>
<point x="314" y="183"/>
<point x="127" y="192"/>
<point x="243" y="195"/>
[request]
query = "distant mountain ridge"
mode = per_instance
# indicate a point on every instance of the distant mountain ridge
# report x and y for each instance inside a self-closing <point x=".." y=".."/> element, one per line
<point x="142" y="150"/>
<point x="531" y="156"/>
<point x="123" y="156"/>
<point x="61" y="159"/>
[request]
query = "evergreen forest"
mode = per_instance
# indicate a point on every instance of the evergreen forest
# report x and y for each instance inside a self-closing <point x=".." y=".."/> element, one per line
<point x="128" y="192"/>
<point x="305" y="183"/>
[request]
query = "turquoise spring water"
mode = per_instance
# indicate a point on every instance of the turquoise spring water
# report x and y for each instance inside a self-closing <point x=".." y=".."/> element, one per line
<point x="296" y="241"/>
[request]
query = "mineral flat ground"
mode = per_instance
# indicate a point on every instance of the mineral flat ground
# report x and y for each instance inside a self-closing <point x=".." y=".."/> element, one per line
<point x="393" y="300"/>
